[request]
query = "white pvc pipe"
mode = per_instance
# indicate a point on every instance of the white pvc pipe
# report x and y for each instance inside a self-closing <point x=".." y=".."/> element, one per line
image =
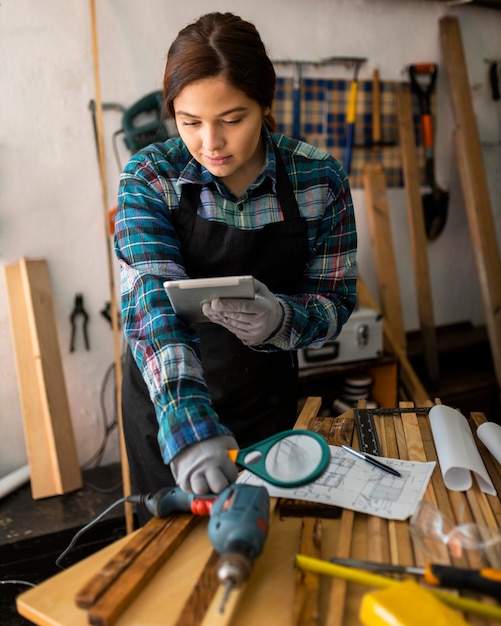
<point x="14" y="480"/>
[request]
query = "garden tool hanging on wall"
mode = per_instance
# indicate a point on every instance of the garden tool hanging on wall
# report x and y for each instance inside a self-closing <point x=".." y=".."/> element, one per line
<point x="435" y="199"/>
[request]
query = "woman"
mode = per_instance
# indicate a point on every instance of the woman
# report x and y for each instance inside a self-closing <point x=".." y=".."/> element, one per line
<point x="228" y="196"/>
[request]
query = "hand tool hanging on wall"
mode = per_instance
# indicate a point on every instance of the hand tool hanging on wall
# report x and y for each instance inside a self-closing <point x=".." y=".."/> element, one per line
<point x="105" y="106"/>
<point x="297" y="84"/>
<point x="435" y="201"/>
<point x="79" y="311"/>
<point x="296" y="92"/>
<point x="296" y="112"/>
<point x="494" y="69"/>
<point x="351" y="116"/>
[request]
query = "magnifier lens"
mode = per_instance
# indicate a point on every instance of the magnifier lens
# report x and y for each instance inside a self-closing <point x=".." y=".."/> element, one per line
<point x="293" y="458"/>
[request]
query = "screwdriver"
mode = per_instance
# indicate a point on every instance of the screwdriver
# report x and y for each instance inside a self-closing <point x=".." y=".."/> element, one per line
<point x="486" y="581"/>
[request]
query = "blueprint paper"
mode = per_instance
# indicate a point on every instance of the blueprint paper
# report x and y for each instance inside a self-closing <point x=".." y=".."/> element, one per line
<point x="354" y="484"/>
<point x="457" y="452"/>
<point x="489" y="434"/>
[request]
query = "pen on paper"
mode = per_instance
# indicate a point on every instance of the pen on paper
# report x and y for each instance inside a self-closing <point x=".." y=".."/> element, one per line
<point x="373" y="461"/>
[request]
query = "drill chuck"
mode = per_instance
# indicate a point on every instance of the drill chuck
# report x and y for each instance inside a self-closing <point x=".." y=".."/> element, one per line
<point x="233" y="569"/>
<point x="236" y="564"/>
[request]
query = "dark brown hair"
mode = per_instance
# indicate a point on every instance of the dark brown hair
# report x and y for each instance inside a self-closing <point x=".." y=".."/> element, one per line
<point x="221" y="44"/>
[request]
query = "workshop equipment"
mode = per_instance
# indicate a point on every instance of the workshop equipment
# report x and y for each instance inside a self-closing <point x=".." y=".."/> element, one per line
<point x="143" y="122"/>
<point x="360" y="339"/>
<point x="397" y="606"/>
<point x="494" y="69"/>
<point x="368" y="439"/>
<point x="349" y="62"/>
<point x="351" y="116"/>
<point x="188" y="586"/>
<point x="486" y="581"/>
<point x="79" y="311"/>
<point x="296" y="91"/>
<point x="237" y="529"/>
<point x="435" y="201"/>
<point x="377" y="581"/>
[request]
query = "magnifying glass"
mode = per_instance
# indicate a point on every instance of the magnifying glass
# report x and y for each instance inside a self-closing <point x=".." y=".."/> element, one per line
<point x="288" y="459"/>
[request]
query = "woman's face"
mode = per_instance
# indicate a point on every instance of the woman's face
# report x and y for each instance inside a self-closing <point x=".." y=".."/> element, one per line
<point x="221" y="127"/>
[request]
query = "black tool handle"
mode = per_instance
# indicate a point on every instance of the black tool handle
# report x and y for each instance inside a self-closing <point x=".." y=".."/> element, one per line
<point x="494" y="80"/>
<point x="486" y="581"/>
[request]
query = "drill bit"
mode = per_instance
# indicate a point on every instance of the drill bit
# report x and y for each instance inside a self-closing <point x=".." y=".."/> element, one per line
<point x="228" y="587"/>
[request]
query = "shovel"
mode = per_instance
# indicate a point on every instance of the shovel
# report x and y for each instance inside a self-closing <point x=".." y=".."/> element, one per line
<point x="435" y="201"/>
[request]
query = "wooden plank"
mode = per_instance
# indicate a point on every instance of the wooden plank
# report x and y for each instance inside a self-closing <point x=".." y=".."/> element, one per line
<point x="90" y="593"/>
<point x="378" y="216"/>
<point x="202" y="595"/>
<point x="474" y="183"/>
<point x="37" y="438"/>
<point x="50" y="442"/>
<point x="417" y="231"/>
<point x="47" y="355"/>
<point x="138" y="574"/>
<point x="308" y="412"/>
<point x="306" y="599"/>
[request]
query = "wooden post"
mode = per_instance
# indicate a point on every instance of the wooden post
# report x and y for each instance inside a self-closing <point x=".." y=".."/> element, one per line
<point x="378" y="216"/>
<point x="417" y="232"/>
<point x="474" y="184"/>
<point x="129" y="521"/>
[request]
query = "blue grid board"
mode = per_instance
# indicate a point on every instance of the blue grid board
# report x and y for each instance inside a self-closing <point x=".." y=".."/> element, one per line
<point x="323" y="108"/>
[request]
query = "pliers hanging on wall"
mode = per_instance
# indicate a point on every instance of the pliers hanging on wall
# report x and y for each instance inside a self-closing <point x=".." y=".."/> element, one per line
<point x="79" y="311"/>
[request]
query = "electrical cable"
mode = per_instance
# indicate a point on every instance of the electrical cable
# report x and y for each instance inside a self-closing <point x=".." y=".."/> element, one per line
<point x="17" y="582"/>
<point x="86" y="528"/>
<point x="109" y="427"/>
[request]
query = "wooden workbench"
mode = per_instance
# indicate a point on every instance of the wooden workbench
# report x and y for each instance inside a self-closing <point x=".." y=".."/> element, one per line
<point x="277" y="593"/>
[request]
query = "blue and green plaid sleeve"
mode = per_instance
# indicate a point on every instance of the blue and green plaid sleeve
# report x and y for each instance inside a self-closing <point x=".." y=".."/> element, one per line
<point x="164" y="347"/>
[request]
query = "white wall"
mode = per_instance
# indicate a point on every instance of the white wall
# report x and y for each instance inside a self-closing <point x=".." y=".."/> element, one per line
<point x="50" y="194"/>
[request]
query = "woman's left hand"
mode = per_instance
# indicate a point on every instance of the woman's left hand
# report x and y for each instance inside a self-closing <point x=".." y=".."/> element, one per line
<point x="252" y="321"/>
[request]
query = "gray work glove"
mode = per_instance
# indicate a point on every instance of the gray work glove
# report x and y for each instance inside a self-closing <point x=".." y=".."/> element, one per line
<point x="205" y="467"/>
<point x="252" y="321"/>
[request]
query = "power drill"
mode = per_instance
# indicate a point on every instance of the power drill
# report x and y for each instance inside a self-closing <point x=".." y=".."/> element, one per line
<point x="238" y="525"/>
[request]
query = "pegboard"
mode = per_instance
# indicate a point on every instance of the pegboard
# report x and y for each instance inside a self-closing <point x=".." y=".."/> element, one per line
<point x="324" y="103"/>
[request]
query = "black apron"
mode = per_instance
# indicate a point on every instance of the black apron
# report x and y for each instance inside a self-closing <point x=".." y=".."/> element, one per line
<point x="254" y="393"/>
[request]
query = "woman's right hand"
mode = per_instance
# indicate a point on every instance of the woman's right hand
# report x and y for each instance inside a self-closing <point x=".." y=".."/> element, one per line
<point x="205" y="467"/>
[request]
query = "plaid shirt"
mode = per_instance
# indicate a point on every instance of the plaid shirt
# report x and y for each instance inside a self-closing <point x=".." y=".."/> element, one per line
<point x="165" y="348"/>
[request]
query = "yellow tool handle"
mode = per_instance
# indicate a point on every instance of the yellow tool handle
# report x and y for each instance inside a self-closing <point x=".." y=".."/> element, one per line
<point x="375" y="580"/>
<point x="351" y="116"/>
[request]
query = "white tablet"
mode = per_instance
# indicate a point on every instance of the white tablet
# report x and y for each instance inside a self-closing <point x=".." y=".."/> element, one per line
<point x="187" y="295"/>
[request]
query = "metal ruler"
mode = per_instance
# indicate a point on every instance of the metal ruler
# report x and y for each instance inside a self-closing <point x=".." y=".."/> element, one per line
<point x="368" y="439"/>
<point x="366" y="428"/>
